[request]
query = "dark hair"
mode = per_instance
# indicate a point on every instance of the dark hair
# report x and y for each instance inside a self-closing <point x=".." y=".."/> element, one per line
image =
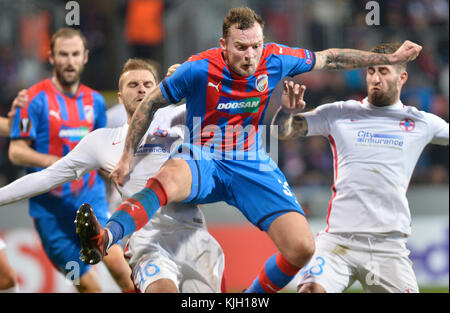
<point x="137" y="64"/>
<point x="244" y="17"/>
<point x="388" y="48"/>
<point x="67" y="32"/>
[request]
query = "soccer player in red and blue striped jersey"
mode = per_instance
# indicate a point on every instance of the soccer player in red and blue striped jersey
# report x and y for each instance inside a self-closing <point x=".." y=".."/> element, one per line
<point x="60" y="111"/>
<point x="227" y="90"/>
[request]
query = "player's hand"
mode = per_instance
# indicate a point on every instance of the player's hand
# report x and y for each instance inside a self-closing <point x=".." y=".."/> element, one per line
<point x="292" y="97"/>
<point x="121" y="170"/>
<point x="172" y="69"/>
<point x="20" y="100"/>
<point x="408" y="51"/>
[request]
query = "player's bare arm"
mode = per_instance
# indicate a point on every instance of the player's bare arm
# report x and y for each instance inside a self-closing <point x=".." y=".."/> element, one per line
<point x="20" y="100"/>
<point x="20" y="153"/>
<point x="291" y="124"/>
<point x="4" y="127"/>
<point x="348" y="59"/>
<point x="139" y="124"/>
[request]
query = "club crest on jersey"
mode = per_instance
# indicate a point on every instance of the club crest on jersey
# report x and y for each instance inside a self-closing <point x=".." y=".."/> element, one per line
<point x="262" y="82"/>
<point x="89" y="113"/>
<point x="160" y="132"/>
<point x="407" y="124"/>
<point x="230" y="106"/>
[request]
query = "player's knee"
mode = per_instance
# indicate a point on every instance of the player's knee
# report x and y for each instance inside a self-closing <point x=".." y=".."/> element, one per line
<point x="175" y="178"/>
<point x="163" y="285"/>
<point x="8" y="279"/>
<point x="300" y="251"/>
<point x="310" y="288"/>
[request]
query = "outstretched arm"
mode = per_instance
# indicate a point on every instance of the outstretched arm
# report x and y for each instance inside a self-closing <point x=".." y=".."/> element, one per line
<point x="81" y="160"/>
<point x="139" y="124"/>
<point x="348" y="59"/>
<point x="291" y="123"/>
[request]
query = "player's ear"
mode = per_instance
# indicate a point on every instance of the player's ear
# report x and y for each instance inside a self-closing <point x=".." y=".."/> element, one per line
<point x="403" y="77"/>
<point x="51" y="58"/>
<point x="119" y="97"/>
<point x="86" y="54"/>
<point x="223" y="43"/>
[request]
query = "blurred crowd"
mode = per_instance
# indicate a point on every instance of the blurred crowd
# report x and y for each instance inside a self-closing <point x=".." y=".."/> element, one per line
<point x="118" y="29"/>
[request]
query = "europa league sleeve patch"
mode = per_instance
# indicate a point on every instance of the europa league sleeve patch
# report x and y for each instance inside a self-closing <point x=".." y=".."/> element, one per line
<point x="25" y="125"/>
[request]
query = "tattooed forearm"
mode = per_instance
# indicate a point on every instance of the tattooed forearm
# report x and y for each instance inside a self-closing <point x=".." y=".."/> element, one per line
<point x="142" y="118"/>
<point x="348" y="59"/>
<point x="290" y="126"/>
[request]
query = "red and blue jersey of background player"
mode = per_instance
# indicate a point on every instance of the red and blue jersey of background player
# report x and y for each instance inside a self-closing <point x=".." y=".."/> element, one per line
<point x="224" y="109"/>
<point x="55" y="122"/>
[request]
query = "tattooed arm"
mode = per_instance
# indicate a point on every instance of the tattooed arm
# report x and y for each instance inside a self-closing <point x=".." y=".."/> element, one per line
<point x="140" y="122"/>
<point x="291" y="123"/>
<point x="348" y="59"/>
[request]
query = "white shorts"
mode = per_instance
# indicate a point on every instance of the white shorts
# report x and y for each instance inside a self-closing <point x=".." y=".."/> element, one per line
<point x="380" y="263"/>
<point x="2" y="244"/>
<point x="189" y="256"/>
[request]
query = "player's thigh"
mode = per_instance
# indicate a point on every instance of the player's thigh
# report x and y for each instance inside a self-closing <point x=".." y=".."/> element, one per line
<point x="262" y="196"/>
<point x="205" y="183"/>
<point x="329" y="267"/>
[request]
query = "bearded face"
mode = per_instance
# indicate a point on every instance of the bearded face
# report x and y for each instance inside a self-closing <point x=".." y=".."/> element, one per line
<point x="384" y="84"/>
<point x="68" y="58"/>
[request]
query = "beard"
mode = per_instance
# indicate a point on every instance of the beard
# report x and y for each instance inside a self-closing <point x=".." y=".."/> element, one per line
<point x="383" y="98"/>
<point x="66" y="81"/>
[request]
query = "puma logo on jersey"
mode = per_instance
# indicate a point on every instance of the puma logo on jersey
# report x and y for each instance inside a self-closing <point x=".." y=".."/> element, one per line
<point x="54" y="114"/>
<point x="210" y="84"/>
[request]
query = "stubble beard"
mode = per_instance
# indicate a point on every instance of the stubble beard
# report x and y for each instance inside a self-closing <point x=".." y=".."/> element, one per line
<point x="382" y="99"/>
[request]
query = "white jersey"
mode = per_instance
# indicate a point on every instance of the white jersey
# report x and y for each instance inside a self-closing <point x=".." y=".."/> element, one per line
<point x="375" y="151"/>
<point x="103" y="149"/>
<point x="116" y="116"/>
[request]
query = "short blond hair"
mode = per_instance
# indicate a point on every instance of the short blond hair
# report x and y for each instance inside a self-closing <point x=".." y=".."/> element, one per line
<point x="67" y="32"/>
<point x="137" y="64"/>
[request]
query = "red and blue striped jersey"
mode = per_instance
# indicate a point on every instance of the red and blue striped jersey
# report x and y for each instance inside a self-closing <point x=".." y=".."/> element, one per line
<point x="55" y="122"/>
<point x="224" y="109"/>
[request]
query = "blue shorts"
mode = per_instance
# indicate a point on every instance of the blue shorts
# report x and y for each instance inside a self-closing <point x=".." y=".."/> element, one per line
<point x="257" y="188"/>
<point x="61" y="243"/>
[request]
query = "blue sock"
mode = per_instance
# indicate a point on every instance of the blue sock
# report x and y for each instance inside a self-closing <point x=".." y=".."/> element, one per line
<point x="276" y="273"/>
<point x="133" y="214"/>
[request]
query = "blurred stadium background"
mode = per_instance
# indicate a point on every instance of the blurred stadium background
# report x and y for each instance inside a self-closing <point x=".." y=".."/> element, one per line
<point x="169" y="31"/>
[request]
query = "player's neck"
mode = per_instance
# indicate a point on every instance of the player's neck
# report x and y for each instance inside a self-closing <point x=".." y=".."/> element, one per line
<point x="67" y="89"/>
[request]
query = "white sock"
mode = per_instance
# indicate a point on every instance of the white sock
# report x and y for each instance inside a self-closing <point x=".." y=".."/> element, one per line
<point x="110" y="238"/>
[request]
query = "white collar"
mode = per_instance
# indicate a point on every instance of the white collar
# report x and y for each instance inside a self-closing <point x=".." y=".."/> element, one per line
<point x="396" y="106"/>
